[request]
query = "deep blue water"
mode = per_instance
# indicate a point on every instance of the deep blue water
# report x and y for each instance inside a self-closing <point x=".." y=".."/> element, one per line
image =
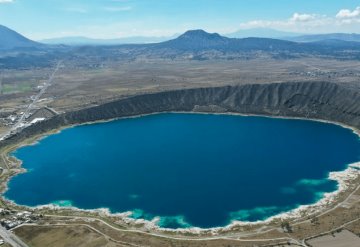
<point x="189" y="169"/>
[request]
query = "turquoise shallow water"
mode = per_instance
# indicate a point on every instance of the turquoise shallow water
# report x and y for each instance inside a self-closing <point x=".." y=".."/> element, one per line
<point x="189" y="169"/>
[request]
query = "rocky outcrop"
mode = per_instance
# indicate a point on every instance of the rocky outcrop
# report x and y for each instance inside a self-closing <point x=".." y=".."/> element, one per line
<point x="317" y="100"/>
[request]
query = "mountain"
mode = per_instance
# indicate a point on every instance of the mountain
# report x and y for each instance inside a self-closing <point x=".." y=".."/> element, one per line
<point x="199" y="40"/>
<point x="196" y="39"/>
<point x="261" y="33"/>
<point x="200" y="45"/>
<point x="78" y="41"/>
<point x="192" y="45"/>
<point x="10" y="39"/>
<point x="352" y="37"/>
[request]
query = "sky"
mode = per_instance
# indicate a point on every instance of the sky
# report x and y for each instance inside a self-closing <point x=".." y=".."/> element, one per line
<point x="41" y="19"/>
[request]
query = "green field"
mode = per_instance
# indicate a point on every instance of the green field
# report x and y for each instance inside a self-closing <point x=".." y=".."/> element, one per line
<point x="16" y="88"/>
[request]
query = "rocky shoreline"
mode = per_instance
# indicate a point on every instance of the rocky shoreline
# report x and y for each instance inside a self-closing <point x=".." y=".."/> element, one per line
<point x="310" y="100"/>
<point x="345" y="180"/>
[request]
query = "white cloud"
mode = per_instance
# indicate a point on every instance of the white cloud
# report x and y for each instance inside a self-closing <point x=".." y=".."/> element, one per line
<point x="118" y="9"/>
<point x="296" y="23"/>
<point x="344" y="21"/>
<point x="7" y="1"/>
<point x="348" y="14"/>
<point x="302" y="17"/>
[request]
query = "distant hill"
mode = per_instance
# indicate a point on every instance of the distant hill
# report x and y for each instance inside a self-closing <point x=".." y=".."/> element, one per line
<point x="353" y="37"/>
<point x="261" y="33"/>
<point x="200" y="45"/>
<point x="10" y="39"/>
<point x="78" y="41"/>
<point x="290" y="36"/>
<point x="196" y="40"/>
<point x="192" y="45"/>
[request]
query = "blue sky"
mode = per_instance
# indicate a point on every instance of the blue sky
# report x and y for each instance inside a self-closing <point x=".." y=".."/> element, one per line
<point x="40" y="19"/>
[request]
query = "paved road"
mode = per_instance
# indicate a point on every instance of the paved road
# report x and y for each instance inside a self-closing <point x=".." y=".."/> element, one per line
<point x="37" y="97"/>
<point x="35" y="100"/>
<point x="225" y="237"/>
<point x="11" y="239"/>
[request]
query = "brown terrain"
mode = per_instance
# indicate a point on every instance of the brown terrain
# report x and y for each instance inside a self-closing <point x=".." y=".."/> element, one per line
<point x="314" y="87"/>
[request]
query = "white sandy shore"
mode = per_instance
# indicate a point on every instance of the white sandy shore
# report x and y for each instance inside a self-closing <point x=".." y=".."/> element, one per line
<point x="344" y="179"/>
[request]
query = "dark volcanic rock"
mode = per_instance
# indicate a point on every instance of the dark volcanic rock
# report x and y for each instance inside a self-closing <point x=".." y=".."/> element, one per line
<point x="317" y="100"/>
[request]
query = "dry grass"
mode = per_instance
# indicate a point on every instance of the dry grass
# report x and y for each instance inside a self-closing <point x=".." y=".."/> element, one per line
<point x="62" y="236"/>
<point x="341" y="239"/>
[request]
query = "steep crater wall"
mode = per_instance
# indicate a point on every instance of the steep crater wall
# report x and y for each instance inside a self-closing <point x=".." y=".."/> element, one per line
<point x="316" y="100"/>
